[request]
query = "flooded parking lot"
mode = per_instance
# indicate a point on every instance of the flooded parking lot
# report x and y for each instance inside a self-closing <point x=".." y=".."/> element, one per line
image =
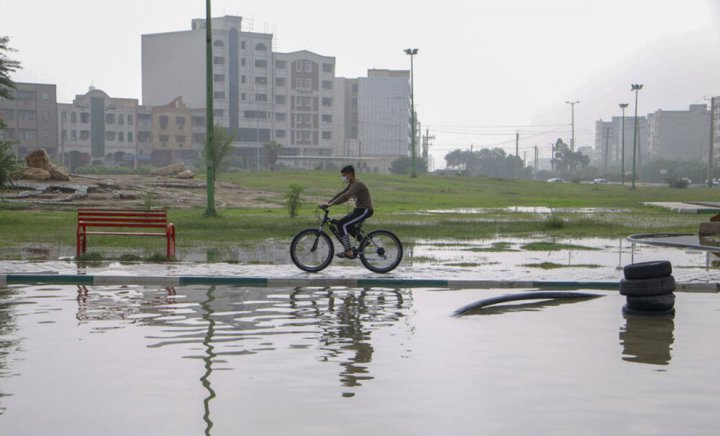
<point x="307" y="361"/>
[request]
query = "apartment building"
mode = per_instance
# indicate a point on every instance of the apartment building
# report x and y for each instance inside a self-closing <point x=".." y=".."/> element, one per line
<point x="291" y="98"/>
<point x="680" y="135"/>
<point x="609" y="139"/>
<point x="31" y="118"/>
<point x="96" y="129"/>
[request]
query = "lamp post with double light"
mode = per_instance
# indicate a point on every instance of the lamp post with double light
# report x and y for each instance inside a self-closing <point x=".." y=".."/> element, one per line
<point x="412" y="52"/>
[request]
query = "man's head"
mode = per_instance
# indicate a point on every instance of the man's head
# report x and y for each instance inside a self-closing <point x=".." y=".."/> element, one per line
<point x="348" y="173"/>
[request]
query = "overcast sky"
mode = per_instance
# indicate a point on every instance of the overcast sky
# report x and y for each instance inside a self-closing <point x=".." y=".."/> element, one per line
<point x="484" y="70"/>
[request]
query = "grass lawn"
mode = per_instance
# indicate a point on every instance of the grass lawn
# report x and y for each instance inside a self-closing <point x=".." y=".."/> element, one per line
<point x="402" y="205"/>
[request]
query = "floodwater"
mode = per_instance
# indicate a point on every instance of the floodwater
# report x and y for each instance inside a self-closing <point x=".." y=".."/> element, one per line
<point x="227" y="360"/>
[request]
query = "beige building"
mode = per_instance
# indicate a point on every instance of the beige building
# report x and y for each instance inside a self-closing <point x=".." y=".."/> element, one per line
<point x="31" y="118"/>
<point x="178" y="133"/>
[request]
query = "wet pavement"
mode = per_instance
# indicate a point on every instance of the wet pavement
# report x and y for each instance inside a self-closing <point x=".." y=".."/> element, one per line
<point x="585" y="259"/>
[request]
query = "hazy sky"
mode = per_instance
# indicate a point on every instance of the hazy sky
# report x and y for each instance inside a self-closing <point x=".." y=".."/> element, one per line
<point x="484" y="70"/>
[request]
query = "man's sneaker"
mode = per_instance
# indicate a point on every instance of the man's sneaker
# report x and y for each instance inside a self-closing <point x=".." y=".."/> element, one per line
<point x="345" y="256"/>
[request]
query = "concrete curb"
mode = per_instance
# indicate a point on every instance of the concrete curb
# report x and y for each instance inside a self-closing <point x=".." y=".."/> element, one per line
<point x="285" y="282"/>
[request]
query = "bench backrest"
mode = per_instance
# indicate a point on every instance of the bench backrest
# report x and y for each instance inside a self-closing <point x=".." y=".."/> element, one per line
<point x="122" y="218"/>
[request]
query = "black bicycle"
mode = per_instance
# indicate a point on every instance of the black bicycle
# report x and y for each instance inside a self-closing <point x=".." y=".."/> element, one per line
<point x="312" y="250"/>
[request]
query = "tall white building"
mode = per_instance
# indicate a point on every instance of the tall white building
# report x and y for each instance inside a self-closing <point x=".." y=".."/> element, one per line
<point x="609" y="140"/>
<point x="291" y="98"/>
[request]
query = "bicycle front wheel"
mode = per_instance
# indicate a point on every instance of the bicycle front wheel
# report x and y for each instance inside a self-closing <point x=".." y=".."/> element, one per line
<point x="381" y="251"/>
<point x="311" y="250"/>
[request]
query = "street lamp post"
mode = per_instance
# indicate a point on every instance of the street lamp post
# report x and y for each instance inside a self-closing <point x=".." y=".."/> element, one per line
<point x="572" y="114"/>
<point x="412" y="52"/>
<point x="635" y="87"/>
<point x="622" y="141"/>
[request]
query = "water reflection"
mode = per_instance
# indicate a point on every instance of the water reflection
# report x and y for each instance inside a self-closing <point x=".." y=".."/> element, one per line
<point x="7" y="344"/>
<point x="647" y="339"/>
<point x="231" y="321"/>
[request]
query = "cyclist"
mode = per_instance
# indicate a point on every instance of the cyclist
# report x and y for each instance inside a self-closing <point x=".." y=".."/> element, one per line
<point x="358" y="191"/>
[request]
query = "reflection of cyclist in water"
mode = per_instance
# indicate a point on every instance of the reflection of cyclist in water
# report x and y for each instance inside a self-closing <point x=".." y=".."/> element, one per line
<point x="358" y="191"/>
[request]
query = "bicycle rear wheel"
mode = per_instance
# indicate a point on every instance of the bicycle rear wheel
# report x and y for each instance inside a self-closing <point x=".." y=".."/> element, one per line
<point x="381" y="251"/>
<point x="311" y="250"/>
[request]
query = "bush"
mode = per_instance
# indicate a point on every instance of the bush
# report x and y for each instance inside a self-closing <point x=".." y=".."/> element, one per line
<point x="681" y="183"/>
<point x="9" y="164"/>
<point x="293" y="199"/>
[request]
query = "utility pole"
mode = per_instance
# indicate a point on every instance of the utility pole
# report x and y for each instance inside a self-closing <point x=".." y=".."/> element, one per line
<point x="572" y="112"/>
<point x="536" y="161"/>
<point x="635" y="87"/>
<point x="209" y="135"/>
<point x="711" y="151"/>
<point x="622" y="140"/>
<point x="607" y="148"/>
<point x="517" y="153"/>
<point x="412" y="52"/>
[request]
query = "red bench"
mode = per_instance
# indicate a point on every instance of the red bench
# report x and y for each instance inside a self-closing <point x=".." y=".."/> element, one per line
<point x="124" y="222"/>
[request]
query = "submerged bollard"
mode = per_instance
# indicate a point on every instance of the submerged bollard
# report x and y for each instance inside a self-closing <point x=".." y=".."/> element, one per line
<point x="649" y="288"/>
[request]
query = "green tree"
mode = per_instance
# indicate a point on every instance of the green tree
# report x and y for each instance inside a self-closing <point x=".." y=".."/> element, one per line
<point x="403" y="165"/>
<point x="272" y="152"/>
<point x="8" y="160"/>
<point x="222" y="145"/>
<point x="567" y="161"/>
<point x="7" y="66"/>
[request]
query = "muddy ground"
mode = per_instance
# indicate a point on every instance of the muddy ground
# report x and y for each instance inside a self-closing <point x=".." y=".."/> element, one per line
<point x="135" y="191"/>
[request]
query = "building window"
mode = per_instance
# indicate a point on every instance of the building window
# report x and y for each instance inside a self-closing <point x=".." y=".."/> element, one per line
<point x="298" y="66"/>
<point x="260" y="97"/>
<point x="261" y="80"/>
<point x="298" y="82"/>
<point x="280" y="99"/>
<point x="219" y="113"/>
<point x="242" y="96"/>
<point x="109" y="118"/>
<point x="84" y="135"/>
<point x="219" y="60"/>
<point x="164" y="139"/>
<point x="327" y="102"/>
<point x="242" y="45"/>
<point x="308" y="67"/>
<point x="219" y="78"/>
<point x="73" y="135"/>
<point x="180" y="140"/>
<point x="327" y="118"/>
<point x="73" y="117"/>
<point x="260" y="63"/>
<point x="110" y="136"/>
<point x="130" y="119"/>
<point x="281" y="64"/>
<point x="45" y="97"/>
<point x="280" y="81"/>
<point x="242" y="79"/>
<point x="121" y="119"/>
<point x="280" y="116"/>
<point x="163" y="120"/>
<point x="180" y="121"/>
<point x="130" y="136"/>
<point x="307" y="83"/>
<point x="219" y="95"/>
<point x="280" y="133"/>
<point x="121" y="136"/>
<point x="327" y="84"/>
<point x="84" y="117"/>
<point x="46" y="116"/>
<point x="219" y="43"/>
<point x="326" y="135"/>
<point x="198" y="121"/>
<point x="261" y="47"/>
<point x="242" y="62"/>
<point x="327" y="68"/>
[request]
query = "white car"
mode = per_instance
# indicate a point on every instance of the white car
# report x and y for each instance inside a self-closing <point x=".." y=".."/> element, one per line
<point x="556" y="180"/>
<point x="600" y="181"/>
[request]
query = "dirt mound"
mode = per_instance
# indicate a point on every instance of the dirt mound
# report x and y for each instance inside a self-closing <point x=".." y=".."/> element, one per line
<point x="136" y="191"/>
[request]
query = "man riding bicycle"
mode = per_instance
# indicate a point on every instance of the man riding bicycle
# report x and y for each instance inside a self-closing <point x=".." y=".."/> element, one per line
<point x="363" y="208"/>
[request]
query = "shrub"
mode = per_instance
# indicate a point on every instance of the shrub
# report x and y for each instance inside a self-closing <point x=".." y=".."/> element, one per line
<point x="293" y="199"/>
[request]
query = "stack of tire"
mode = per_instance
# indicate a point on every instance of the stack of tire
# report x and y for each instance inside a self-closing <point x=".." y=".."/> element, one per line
<point x="649" y="288"/>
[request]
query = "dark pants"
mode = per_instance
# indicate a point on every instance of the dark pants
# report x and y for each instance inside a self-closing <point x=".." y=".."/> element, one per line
<point x="347" y="224"/>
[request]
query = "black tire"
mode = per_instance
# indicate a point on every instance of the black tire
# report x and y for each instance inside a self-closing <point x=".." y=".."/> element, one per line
<point x="647" y="270"/>
<point x="628" y="311"/>
<point x="381" y="251"/>
<point x="653" y="303"/>
<point x="312" y="250"/>
<point x="647" y="287"/>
